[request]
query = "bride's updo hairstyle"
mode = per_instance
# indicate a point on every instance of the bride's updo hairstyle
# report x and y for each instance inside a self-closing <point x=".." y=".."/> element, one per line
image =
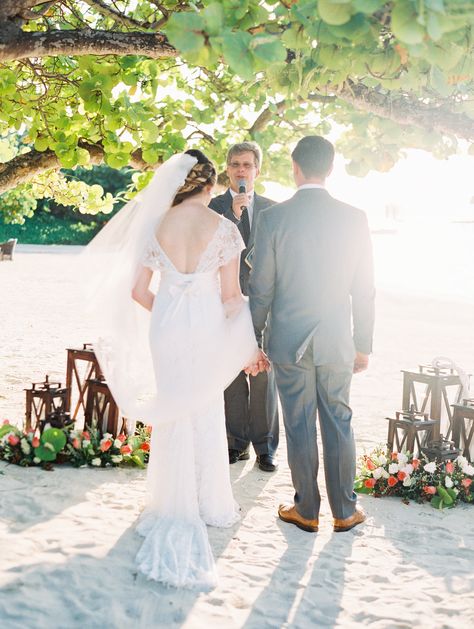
<point x="201" y="175"/>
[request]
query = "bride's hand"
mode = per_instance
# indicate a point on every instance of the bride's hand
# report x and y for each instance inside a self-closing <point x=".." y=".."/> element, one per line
<point x="261" y="363"/>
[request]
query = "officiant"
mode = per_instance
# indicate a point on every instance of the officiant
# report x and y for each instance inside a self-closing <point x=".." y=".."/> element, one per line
<point x="251" y="406"/>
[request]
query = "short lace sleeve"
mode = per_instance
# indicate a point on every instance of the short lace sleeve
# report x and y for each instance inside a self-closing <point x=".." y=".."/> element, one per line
<point x="230" y="243"/>
<point x="152" y="257"/>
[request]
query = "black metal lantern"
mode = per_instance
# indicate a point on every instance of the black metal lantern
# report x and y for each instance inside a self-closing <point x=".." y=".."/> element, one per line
<point x="440" y="450"/>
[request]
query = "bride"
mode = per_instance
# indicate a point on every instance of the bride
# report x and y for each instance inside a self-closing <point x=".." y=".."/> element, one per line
<point x="171" y="368"/>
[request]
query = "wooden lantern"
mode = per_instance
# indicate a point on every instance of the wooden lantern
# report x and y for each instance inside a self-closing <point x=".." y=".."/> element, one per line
<point x="82" y="366"/>
<point x="441" y="450"/>
<point x="409" y="431"/>
<point x="101" y="410"/>
<point x="438" y="386"/>
<point x="43" y="399"/>
<point x="463" y="428"/>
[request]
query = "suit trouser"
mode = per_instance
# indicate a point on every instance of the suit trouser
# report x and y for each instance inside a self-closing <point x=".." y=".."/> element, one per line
<point x="306" y="391"/>
<point x="251" y="412"/>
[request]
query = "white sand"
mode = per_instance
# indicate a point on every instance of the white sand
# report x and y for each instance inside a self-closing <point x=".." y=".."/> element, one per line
<point x="67" y="537"/>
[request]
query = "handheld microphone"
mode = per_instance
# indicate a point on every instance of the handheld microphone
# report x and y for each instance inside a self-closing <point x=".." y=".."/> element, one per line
<point x="242" y="190"/>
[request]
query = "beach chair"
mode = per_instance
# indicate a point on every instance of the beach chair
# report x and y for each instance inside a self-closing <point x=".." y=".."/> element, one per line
<point x="7" y="249"/>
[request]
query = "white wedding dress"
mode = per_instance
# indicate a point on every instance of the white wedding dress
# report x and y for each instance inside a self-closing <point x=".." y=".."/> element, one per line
<point x="196" y="350"/>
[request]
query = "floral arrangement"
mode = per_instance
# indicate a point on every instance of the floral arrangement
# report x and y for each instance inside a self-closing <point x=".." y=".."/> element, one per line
<point x="79" y="448"/>
<point x="401" y="474"/>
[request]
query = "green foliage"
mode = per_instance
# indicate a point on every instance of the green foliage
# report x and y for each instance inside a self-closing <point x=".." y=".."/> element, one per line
<point x="237" y="59"/>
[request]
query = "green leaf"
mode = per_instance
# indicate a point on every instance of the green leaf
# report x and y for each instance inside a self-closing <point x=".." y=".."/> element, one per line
<point x="334" y="12"/>
<point x="213" y="16"/>
<point x="236" y="52"/>
<point x="184" y="31"/>
<point x="271" y="51"/>
<point x="367" y="6"/>
<point x="404" y="23"/>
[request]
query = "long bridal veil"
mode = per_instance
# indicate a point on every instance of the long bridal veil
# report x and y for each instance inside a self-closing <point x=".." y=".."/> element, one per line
<point x="109" y="267"/>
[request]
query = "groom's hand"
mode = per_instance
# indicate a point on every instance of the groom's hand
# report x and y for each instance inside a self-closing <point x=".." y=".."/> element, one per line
<point x="361" y="362"/>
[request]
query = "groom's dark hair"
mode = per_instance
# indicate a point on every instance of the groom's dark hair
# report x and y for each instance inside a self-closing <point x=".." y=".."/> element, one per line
<point x="314" y="155"/>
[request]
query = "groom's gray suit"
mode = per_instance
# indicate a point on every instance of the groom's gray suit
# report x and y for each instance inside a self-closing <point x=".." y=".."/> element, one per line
<point x="312" y="270"/>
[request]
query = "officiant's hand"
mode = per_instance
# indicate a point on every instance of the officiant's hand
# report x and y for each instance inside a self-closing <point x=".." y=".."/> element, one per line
<point x="238" y="202"/>
<point x="361" y="362"/>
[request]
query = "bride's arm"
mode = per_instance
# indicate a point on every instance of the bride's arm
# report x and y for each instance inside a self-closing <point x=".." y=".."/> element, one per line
<point x="141" y="292"/>
<point x="231" y="295"/>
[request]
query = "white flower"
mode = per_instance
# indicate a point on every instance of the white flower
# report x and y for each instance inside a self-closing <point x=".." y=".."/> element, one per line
<point x="385" y="474"/>
<point x="96" y="462"/>
<point x="468" y="469"/>
<point x="430" y="467"/>
<point x="86" y="443"/>
<point x="107" y="436"/>
<point x="36" y="460"/>
<point x="382" y="459"/>
<point x="116" y="458"/>
<point x="377" y="473"/>
<point x="461" y="460"/>
<point x="393" y="468"/>
<point x="408" y="469"/>
<point x="448" y="482"/>
<point x="25" y="446"/>
<point x="407" y="481"/>
<point x="402" y="458"/>
<point x="117" y="444"/>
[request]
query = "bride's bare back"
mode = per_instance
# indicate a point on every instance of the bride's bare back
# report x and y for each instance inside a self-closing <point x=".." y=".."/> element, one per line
<point x="185" y="232"/>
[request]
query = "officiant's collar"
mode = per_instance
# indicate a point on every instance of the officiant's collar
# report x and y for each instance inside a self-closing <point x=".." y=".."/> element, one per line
<point x="307" y="186"/>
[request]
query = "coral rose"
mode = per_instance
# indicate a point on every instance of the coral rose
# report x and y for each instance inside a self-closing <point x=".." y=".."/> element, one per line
<point x="125" y="449"/>
<point x="429" y="489"/>
<point x="415" y="463"/>
<point x="392" y="481"/>
<point x="86" y="435"/>
<point x="449" y="467"/>
<point x="370" y="482"/>
<point x="145" y="446"/>
<point x="106" y="445"/>
<point x="466" y="482"/>
<point x="13" y="440"/>
<point x="76" y="443"/>
<point x="401" y="475"/>
<point x="35" y="443"/>
<point x="394" y="456"/>
<point x="121" y="437"/>
<point x="370" y="465"/>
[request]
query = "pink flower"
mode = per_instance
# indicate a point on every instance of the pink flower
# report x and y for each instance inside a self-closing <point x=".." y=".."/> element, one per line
<point x="5" y="422"/>
<point x="370" y="482"/>
<point x="449" y="467"/>
<point x="121" y="437"/>
<point x="392" y="481"/>
<point x="35" y="443"/>
<point x="13" y="440"/>
<point x="76" y="443"/>
<point x="105" y="445"/>
<point x="429" y="489"/>
<point x="466" y="482"/>
<point x="125" y="449"/>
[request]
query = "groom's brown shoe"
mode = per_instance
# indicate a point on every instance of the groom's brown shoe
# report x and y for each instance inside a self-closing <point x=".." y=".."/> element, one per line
<point x="340" y="526"/>
<point x="288" y="513"/>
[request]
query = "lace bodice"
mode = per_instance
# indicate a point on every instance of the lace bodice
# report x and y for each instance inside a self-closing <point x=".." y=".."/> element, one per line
<point x="225" y="244"/>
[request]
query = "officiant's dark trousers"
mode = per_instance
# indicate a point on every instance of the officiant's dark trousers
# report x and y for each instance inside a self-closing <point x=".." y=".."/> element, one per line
<point x="306" y="391"/>
<point x="251" y="413"/>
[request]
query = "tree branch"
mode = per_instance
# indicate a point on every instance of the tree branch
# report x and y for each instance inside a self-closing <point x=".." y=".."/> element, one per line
<point x="264" y="118"/>
<point x="83" y="42"/>
<point x="25" y="166"/>
<point x="408" y="111"/>
<point x="101" y="7"/>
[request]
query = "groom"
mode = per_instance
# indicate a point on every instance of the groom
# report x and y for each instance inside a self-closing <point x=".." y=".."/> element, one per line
<point x="312" y="274"/>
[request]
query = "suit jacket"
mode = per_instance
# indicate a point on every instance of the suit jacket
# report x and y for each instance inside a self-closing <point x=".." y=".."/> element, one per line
<point x="222" y="204"/>
<point x="312" y="275"/>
